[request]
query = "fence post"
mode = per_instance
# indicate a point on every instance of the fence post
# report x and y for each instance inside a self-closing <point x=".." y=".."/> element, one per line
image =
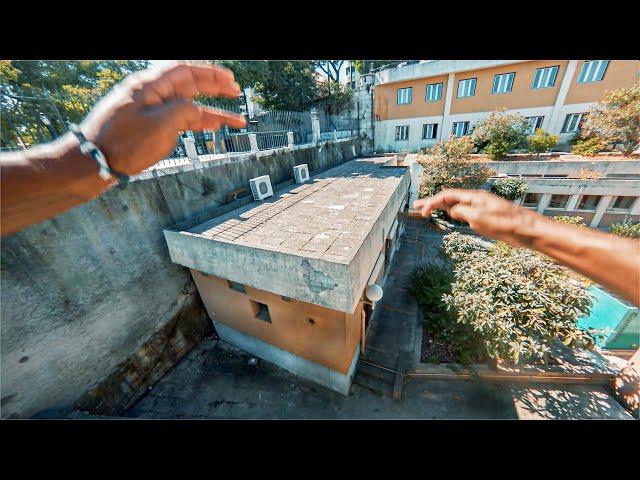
<point x="253" y="142"/>
<point x="290" y="141"/>
<point x="315" y="125"/>
<point x="192" y="153"/>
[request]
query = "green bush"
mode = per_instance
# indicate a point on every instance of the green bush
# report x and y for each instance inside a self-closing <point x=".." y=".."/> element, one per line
<point x="589" y="147"/>
<point x="577" y="220"/>
<point x="541" y="142"/>
<point x="509" y="188"/>
<point x="515" y="299"/>
<point x="500" y="133"/>
<point x="626" y="229"/>
<point x="429" y="284"/>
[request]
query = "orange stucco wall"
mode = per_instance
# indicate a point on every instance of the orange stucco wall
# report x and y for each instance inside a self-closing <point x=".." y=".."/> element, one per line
<point x="330" y="339"/>
<point x="386" y="104"/>
<point x="619" y="74"/>
<point x="521" y="95"/>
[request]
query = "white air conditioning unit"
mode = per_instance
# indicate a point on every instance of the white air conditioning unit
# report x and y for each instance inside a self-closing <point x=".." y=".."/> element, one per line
<point x="301" y="172"/>
<point x="261" y="187"/>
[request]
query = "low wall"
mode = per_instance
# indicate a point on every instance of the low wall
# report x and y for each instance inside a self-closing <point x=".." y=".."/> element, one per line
<point x="568" y="167"/>
<point x="93" y="309"/>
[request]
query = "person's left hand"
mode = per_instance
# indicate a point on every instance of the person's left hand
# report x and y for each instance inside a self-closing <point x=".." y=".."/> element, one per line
<point x="136" y="124"/>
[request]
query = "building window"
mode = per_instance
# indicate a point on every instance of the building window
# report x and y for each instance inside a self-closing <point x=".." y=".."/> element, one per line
<point x="622" y="204"/>
<point x="429" y="131"/>
<point x="588" y="202"/>
<point x="573" y="122"/>
<point x="593" y="71"/>
<point x="460" y="129"/>
<point x="347" y="70"/>
<point x="404" y="95"/>
<point x="353" y="84"/>
<point x="260" y="311"/>
<point x="402" y="132"/>
<point x="559" y="201"/>
<point x="503" y="83"/>
<point x="434" y="92"/>
<point x="467" y="88"/>
<point x="534" y="124"/>
<point x="238" y="287"/>
<point x="545" y="77"/>
<point x="531" y="199"/>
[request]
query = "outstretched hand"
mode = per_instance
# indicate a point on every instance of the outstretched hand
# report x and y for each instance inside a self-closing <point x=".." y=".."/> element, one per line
<point x="486" y="213"/>
<point x="136" y="124"/>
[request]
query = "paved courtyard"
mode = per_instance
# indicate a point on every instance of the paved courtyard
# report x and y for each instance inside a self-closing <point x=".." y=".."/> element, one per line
<point x="216" y="380"/>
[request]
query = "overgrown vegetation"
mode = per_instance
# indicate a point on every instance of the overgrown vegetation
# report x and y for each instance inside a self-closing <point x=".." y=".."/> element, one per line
<point x="589" y="174"/>
<point x="500" y="133"/>
<point x="516" y="300"/>
<point x="576" y="220"/>
<point x="454" y="341"/>
<point x="615" y="120"/>
<point x="541" y="142"/>
<point x="626" y="229"/>
<point x="589" y="147"/>
<point x="509" y="188"/>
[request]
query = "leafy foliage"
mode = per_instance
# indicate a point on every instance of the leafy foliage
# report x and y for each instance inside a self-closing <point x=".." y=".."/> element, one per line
<point x="448" y="165"/>
<point x="333" y="97"/>
<point x="541" y="141"/>
<point x="429" y="284"/>
<point x="509" y="188"/>
<point x="589" y="147"/>
<point x="575" y="220"/>
<point x="616" y="119"/>
<point x="589" y="174"/>
<point x="287" y="85"/>
<point x="367" y="66"/>
<point x="626" y="229"/>
<point x="515" y="299"/>
<point x="500" y="133"/>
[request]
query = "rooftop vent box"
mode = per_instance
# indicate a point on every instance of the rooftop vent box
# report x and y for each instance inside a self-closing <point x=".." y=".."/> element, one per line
<point x="301" y="172"/>
<point x="261" y="187"/>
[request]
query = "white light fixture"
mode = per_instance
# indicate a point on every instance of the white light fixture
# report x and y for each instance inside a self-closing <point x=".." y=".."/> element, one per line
<point x="373" y="293"/>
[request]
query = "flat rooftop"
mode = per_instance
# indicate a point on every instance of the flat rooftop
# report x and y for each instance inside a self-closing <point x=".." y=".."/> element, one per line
<point x="328" y="230"/>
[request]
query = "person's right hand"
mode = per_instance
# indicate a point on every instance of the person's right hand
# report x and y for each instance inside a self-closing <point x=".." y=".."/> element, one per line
<point x="486" y="213"/>
<point x="136" y="124"/>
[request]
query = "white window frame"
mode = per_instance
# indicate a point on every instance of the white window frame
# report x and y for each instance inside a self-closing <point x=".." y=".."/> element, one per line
<point x="535" y="122"/>
<point x="437" y="88"/>
<point x="466" y="127"/>
<point x="402" y="131"/>
<point x="467" y="87"/>
<point x="434" y="131"/>
<point x="404" y="96"/>
<point x="503" y="83"/>
<point x="593" y="71"/>
<point x="610" y="208"/>
<point x="569" y="120"/>
<point x="545" y="77"/>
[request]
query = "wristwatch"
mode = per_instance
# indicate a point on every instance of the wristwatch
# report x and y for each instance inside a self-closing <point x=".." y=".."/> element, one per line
<point x="91" y="149"/>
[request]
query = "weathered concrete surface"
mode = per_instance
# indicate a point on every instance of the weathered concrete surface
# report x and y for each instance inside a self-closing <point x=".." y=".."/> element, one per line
<point x="84" y="292"/>
<point x="317" y="242"/>
<point x="611" y="168"/>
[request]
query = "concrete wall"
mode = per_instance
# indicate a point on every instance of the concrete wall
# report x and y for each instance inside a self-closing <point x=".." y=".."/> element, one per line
<point x="568" y="167"/>
<point x="84" y="293"/>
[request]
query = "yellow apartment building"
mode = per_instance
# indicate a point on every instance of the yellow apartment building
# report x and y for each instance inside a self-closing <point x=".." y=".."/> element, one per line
<point x="419" y="104"/>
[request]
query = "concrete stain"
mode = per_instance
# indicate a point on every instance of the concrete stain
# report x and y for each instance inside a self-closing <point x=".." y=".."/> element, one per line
<point x="317" y="281"/>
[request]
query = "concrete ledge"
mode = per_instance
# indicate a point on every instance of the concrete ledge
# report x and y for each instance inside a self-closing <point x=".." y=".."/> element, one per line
<point x="332" y="379"/>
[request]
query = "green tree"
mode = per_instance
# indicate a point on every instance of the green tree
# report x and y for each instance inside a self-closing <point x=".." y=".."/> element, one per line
<point x="616" y="119"/>
<point x="541" y="142"/>
<point x="589" y="146"/>
<point x="500" y="133"/>
<point x="626" y="229"/>
<point x="39" y="98"/>
<point x="517" y="300"/>
<point x="287" y="85"/>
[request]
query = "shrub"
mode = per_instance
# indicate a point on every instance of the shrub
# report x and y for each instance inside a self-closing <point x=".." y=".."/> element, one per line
<point x="616" y="118"/>
<point x="577" y="220"/>
<point x="501" y="132"/>
<point x="541" y="142"/>
<point x="515" y="299"/>
<point x="509" y="188"/>
<point x="589" y="174"/>
<point x="626" y="229"/>
<point x="429" y="284"/>
<point x="589" y="147"/>
<point x="448" y="165"/>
